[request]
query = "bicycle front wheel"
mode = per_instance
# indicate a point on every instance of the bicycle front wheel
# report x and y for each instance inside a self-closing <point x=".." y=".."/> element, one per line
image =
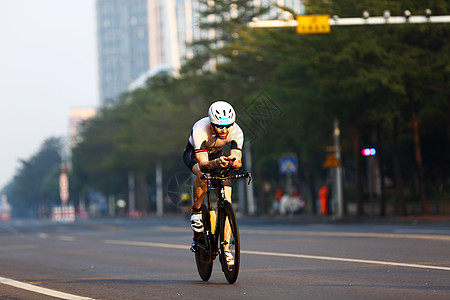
<point x="229" y="242"/>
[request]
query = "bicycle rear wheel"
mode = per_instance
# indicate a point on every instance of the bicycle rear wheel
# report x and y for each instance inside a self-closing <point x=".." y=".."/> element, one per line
<point x="203" y="252"/>
<point x="228" y="224"/>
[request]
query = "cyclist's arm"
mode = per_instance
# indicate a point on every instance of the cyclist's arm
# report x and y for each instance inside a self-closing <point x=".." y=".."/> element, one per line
<point x="237" y="143"/>
<point x="236" y="163"/>
<point x="204" y="163"/>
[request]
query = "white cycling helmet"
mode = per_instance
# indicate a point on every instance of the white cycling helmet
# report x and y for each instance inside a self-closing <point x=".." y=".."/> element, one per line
<point x="221" y="113"/>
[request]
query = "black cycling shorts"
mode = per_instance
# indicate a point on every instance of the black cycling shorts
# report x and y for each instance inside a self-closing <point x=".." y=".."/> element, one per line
<point x="189" y="156"/>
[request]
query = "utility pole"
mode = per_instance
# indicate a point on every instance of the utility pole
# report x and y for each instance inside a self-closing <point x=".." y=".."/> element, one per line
<point x="338" y="170"/>
<point x="250" y="198"/>
<point x="159" y="190"/>
<point x="131" y="192"/>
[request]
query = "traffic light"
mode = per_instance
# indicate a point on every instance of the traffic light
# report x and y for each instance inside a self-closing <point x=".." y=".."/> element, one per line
<point x="369" y="151"/>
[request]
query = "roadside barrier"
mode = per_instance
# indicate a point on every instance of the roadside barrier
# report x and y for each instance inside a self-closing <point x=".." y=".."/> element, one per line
<point x="63" y="214"/>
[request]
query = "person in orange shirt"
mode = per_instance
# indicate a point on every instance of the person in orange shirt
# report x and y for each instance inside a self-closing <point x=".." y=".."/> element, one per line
<point x="323" y="197"/>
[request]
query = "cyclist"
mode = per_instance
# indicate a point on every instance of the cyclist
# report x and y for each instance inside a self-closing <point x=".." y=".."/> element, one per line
<point x="204" y="152"/>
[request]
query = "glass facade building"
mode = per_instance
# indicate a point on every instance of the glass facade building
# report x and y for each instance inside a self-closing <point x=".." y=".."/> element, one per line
<point x="122" y="43"/>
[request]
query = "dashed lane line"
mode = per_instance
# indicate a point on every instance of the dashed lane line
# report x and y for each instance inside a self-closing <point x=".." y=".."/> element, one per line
<point x="146" y="244"/>
<point x="67" y="238"/>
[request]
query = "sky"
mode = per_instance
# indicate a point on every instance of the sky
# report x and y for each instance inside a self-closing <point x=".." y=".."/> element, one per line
<point x="48" y="65"/>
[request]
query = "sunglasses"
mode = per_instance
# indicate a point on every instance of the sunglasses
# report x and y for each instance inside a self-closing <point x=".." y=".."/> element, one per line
<point x="222" y="126"/>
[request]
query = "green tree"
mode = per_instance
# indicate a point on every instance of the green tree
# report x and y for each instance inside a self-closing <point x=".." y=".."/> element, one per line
<point x="36" y="184"/>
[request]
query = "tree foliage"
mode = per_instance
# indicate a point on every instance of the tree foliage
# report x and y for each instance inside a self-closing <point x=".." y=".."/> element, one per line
<point x="36" y="183"/>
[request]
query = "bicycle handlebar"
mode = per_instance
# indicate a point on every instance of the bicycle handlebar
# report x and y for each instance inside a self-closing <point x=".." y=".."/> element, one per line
<point x="219" y="177"/>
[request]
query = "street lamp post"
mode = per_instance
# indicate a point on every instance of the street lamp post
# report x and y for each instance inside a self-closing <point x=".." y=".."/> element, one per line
<point x="338" y="170"/>
<point x="365" y="19"/>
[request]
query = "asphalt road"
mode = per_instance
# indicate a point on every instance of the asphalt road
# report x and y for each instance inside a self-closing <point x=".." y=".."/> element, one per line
<point x="149" y="259"/>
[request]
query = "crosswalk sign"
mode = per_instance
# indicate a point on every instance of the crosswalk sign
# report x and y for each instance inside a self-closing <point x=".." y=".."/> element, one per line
<point x="288" y="164"/>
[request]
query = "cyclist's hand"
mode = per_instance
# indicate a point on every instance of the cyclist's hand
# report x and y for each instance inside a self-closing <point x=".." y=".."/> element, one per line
<point x="223" y="161"/>
<point x="235" y="162"/>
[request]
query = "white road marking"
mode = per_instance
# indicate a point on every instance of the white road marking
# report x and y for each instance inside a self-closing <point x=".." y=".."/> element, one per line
<point x="41" y="290"/>
<point x="341" y="259"/>
<point x="43" y="235"/>
<point x="17" y="247"/>
<point x="363" y="261"/>
<point x="61" y="237"/>
<point x="146" y="244"/>
<point x="414" y="234"/>
<point x="66" y="238"/>
<point x="351" y="234"/>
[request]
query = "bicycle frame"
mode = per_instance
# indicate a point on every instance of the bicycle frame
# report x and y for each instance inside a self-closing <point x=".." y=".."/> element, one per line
<point x="221" y="234"/>
<point x="221" y="195"/>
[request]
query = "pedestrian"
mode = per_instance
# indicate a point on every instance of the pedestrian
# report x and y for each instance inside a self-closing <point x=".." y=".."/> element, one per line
<point x="323" y="198"/>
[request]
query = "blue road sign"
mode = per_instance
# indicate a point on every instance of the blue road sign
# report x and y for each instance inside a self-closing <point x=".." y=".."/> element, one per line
<point x="288" y="164"/>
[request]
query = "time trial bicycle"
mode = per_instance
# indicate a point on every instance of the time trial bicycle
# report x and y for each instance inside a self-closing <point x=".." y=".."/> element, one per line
<point x="221" y="232"/>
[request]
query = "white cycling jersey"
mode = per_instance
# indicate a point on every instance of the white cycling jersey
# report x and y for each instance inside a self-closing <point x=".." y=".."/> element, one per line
<point x="204" y="140"/>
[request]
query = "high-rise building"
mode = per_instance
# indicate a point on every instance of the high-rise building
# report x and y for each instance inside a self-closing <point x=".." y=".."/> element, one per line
<point x="139" y="38"/>
<point x="122" y="37"/>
